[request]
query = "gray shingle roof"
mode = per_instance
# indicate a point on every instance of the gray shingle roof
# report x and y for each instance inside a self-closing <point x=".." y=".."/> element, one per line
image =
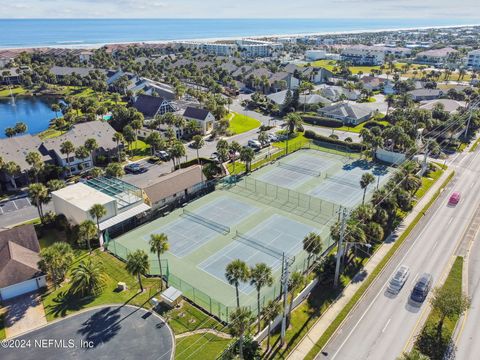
<point x="101" y="131"/>
<point x="16" y="149"/>
<point x="196" y="113"/>
<point x="19" y="250"/>
<point x="345" y="109"/>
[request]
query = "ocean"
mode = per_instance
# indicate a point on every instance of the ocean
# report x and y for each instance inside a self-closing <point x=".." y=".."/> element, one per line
<point x="18" y="33"/>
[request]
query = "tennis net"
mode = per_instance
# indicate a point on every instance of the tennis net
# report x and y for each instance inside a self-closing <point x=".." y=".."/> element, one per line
<point x="258" y="245"/>
<point x="207" y="222"/>
<point x="300" y="169"/>
<point x="341" y="180"/>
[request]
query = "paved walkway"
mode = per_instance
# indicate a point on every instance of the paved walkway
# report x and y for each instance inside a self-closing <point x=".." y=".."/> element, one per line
<point x="24" y="313"/>
<point x="317" y="330"/>
<point x="203" y="331"/>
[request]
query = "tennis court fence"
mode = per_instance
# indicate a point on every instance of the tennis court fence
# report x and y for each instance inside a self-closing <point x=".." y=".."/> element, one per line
<point x="202" y="299"/>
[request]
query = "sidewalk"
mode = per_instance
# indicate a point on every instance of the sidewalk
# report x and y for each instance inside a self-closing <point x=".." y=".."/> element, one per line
<point x="317" y="330"/>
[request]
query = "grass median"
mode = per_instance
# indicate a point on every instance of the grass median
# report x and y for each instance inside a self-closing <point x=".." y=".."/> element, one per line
<point x="356" y="297"/>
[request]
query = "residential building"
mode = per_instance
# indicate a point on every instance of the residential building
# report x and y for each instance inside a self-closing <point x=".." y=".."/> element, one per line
<point x="436" y="57"/>
<point x="349" y="113"/>
<point x="473" y="59"/>
<point x="123" y="202"/>
<point x="150" y="106"/>
<point x="16" y="149"/>
<point x="312" y="55"/>
<point x="363" y="55"/>
<point x="425" y="94"/>
<point x="314" y="99"/>
<point x="202" y="117"/>
<point x="19" y="257"/>
<point x="85" y="55"/>
<point x="10" y="76"/>
<point x="449" y="105"/>
<point x="6" y="58"/>
<point x="175" y="188"/>
<point x="372" y="83"/>
<point x="337" y="93"/>
<point x="61" y="72"/>
<point x="101" y="131"/>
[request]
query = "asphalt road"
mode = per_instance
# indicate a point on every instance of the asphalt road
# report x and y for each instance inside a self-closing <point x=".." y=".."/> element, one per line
<point x="103" y="333"/>
<point x="381" y="325"/>
<point x="468" y="346"/>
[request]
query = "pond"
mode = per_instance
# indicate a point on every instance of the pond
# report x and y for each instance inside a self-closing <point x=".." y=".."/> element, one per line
<point x="35" y="112"/>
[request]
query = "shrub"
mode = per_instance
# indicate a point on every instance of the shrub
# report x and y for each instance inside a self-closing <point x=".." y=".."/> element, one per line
<point x="355" y="147"/>
<point x="322" y="121"/>
<point x="333" y="136"/>
<point x="372" y="123"/>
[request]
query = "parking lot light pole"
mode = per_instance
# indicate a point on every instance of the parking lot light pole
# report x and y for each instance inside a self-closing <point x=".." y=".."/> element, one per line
<point x="340" y="248"/>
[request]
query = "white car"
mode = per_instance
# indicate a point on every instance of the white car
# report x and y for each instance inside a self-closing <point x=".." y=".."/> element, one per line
<point x="398" y="280"/>
<point x="254" y="144"/>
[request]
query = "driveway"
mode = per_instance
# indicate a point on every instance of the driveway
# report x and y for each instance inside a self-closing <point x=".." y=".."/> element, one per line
<point x="112" y="332"/>
<point x="24" y="313"/>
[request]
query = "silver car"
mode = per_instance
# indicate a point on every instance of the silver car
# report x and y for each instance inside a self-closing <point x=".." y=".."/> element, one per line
<point x="398" y="280"/>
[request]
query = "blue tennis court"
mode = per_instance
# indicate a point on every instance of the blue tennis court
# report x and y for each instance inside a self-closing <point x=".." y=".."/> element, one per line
<point x="293" y="173"/>
<point x="187" y="233"/>
<point x="264" y="243"/>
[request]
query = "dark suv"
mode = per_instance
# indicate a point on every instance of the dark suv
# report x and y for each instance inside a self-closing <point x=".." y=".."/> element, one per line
<point x="422" y="287"/>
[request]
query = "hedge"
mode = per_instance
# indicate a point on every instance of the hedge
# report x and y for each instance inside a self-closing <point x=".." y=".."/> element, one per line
<point x="322" y="121"/>
<point x="354" y="147"/>
<point x="373" y="123"/>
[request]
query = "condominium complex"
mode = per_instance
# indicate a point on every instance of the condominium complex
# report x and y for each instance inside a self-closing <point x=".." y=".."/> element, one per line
<point x="246" y="47"/>
<point x="473" y="59"/>
<point x="363" y="55"/>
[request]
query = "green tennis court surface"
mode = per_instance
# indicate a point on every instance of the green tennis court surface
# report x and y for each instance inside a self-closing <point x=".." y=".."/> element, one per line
<point x="262" y="218"/>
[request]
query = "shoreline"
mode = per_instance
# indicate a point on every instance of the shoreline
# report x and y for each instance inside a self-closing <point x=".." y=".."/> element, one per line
<point x="94" y="46"/>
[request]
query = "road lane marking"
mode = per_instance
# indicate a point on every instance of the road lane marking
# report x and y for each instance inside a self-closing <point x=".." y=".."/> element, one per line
<point x="415" y="239"/>
<point x="385" y="327"/>
<point x="450" y="221"/>
<point x="473" y="184"/>
<point x="415" y="278"/>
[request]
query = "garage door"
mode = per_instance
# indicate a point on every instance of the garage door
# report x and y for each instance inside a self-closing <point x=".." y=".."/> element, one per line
<point x="18" y="289"/>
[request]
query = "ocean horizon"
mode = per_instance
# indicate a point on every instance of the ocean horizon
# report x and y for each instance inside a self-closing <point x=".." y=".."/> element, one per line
<point x="22" y="33"/>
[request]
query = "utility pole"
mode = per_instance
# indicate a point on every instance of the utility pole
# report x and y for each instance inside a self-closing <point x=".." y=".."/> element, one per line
<point x="340" y="248"/>
<point x="468" y="124"/>
<point x="285" y="277"/>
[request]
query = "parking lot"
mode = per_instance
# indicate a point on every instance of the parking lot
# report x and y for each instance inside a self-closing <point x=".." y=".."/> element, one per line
<point x="14" y="205"/>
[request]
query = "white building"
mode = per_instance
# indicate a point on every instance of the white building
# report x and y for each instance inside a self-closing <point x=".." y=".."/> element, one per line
<point x="312" y="55"/>
<point x="123" y="202"/>
<point x="473" y="59"/>
<point x="363" y="55"/>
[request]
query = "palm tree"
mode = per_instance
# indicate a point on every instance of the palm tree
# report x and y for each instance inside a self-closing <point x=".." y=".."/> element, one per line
<point x="293" y="121"/>
<point x="260" y="276"/>
<point x="294" y="284"/>
<point x="97" y="211"/>
<point x="86" y="278"/>
<point x="114" y="170"/>
<point x="38" y="194"/>
<point x="312" y="244"/>
<point x="197" y="144"/>
<point x="177" y="152"/>
<point x="263" y="138"/>
<point x="155" y="141"/>
<point x="67" y="148"/>
<point x="240" y="320"/>
<point x="390" y="100"/>
<point x="34" y="159"/>
<point x="237" y="271"/>
<point x="247" y="155"/>
<point x="55" y="260"/>
<point x="20" y="128"/>
<point x="366" y="180"/>
<point x="271" y="311"/>
<point x="55" y="184"/>
<point x="118" y="138"/>
<point x="235" y="147"/>
<point x="159" y="245"/>
<point x="56" y="109"/>
<point x="137" y="265"/>
<point x="81" y="153"/>
<point x="136" y="125"/>
<point x="12" y="169"/>
<point x="86" y="232"/>
<point x="91" y="145"/>
<point x="413" y="355"/>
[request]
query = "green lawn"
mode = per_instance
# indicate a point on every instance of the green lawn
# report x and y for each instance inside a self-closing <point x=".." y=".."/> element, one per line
<point x="427" y="182"/>
<point x="138" y="150"/>
<point x="49" y="237"/>
<point x="240" y="123"/>
<point x="475" y="144"/>
<point x="2" y="324"/>
<point x="208" y="346"/>
<point x="58" y="303"/>
<point x="18" y="90"/>
<point x="50" y="133"/>
<point x="454" y="284"/>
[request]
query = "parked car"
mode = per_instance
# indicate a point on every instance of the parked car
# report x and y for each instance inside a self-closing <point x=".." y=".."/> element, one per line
<point x="422" y="287"/>
<point x="254" y="144"/>
<point x="135" y="169"/>
<point x="454" y="198"/>
<point x="273" y="137"/>
<point x="214" y="155"/>
<point x="163" y="155"/>
<point x="398" y="280"/>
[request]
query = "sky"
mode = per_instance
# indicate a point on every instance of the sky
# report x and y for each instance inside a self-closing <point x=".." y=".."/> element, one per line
<point x="431" y="9"/>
